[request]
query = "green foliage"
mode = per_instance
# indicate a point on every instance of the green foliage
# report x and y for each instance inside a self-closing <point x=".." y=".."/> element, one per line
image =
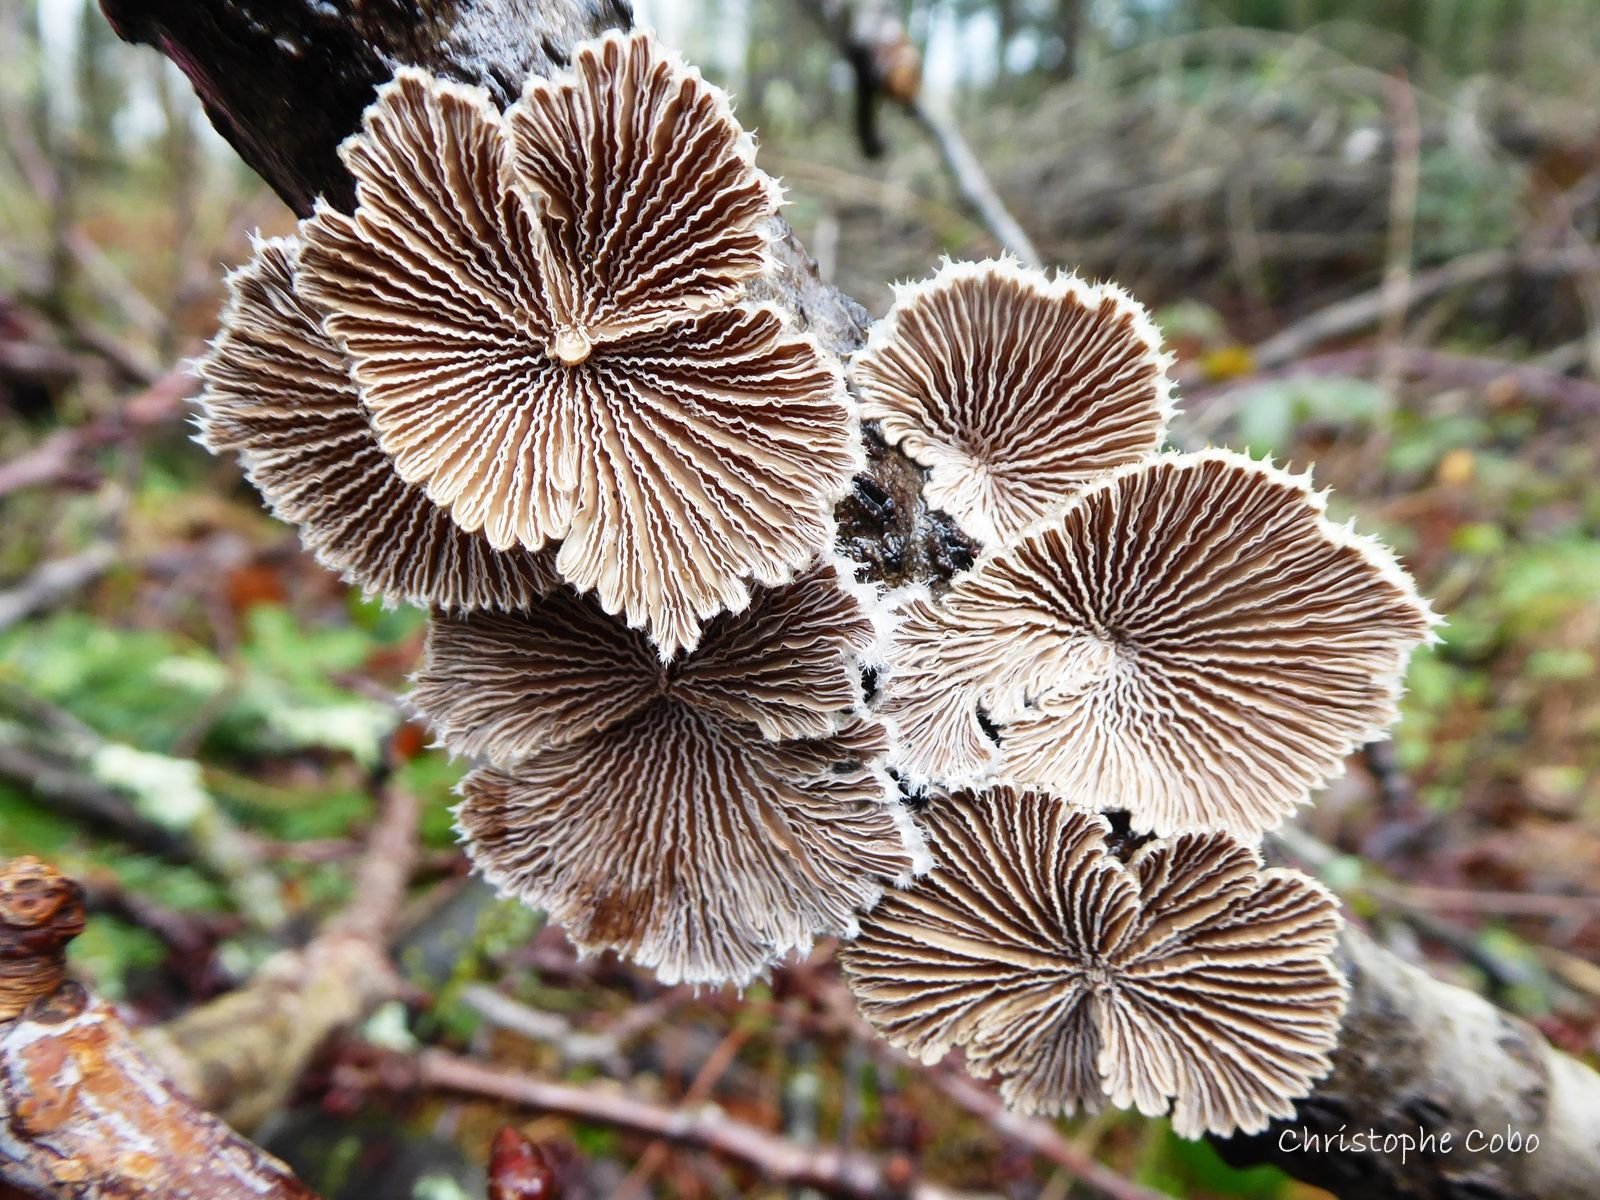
<point x="1185" y="1168"/>
<point x="109" y="949"/>
<point x="139" y="687"/>
<point x="1275" y="413"/>
<point x="276" y="737"/>
<point x="434" y="777"/>
<point x="148" y="689"/>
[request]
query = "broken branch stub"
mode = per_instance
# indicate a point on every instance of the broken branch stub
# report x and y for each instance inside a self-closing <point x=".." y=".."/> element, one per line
<point x="83" y="1112"/>
<point x="41" y="910"/>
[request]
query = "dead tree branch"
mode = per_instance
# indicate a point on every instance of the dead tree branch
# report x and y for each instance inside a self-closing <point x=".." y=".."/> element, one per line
<point x="869" y="35"/>
<point x="828" y="1169"/>
<point x="60" y="455"/>
<point x="1363" y="312"/>
<point x="1417" y="1056"/>
<point x="242" y="1053"/>
<point x="83" y="1111"/>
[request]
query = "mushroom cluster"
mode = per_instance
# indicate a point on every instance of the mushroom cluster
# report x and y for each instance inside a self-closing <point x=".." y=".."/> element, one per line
<point x="524" y="384"/>
<point x="1185" y="640"/>
<point x="533" y="327"/>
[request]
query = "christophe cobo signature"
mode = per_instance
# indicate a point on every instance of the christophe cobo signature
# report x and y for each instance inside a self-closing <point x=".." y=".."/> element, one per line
<point x="1430" y="1142"/>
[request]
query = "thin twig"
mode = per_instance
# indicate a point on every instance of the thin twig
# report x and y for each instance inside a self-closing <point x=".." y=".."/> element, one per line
<point x="967" y="173"/>
<point x="545" y="1028"/>
<point x="1363" y="311"/>
<point x="869" y="36"/>
<point x="699" y="1091"/>
<point x="55" y="582"/>
<point x="58" y="456"/>
<point x="1404" y="185"/>
<point x="840" y="1173"/>
<point x="1039" y="1137"/>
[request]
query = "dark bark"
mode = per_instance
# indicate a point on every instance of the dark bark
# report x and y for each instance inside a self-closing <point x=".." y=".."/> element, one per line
<point x="286" y="80"/>
<point x="286" y="83"/>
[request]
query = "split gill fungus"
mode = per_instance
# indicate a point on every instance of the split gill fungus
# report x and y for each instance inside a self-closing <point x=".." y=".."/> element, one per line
<point x="1187" y="979"/>
<point x="1014" y="389"/>
<point x="1191" y="639"/>
<point x="704" y="818"/>
<point x="525" y="385"/>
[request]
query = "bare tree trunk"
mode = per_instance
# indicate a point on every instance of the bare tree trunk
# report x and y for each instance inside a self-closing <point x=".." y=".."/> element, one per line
<point x="286" y="83"/>
<point x="1069" y="25"/>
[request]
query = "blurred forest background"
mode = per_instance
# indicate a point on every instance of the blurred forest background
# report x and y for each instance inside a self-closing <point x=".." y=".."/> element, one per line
<point x="1368" y="227"/>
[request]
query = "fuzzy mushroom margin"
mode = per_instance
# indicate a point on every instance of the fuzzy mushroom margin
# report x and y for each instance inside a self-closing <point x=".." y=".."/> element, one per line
<point x="704" y="818"/>
<point x="1192" y="640"/>
<point x="1187" y="978"/>
<point x="1014" y="389"/>
<point x="544" y="314"/>
<point x="277" y="392"/>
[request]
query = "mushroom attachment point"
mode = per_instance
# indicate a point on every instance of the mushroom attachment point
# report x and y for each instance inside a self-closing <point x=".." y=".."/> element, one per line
<point x="542" y="314"/>
<point x="703" y="818"/>
<point x="1187" y="978"/>
<point x="277" y="392"/>
<point x="1013" y="389"/>
<point x="1192" y="640"/>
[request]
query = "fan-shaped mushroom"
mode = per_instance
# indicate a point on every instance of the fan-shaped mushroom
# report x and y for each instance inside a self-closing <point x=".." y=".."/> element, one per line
<point x="1188" y="977"/>
<point x="1191" y="640"/>
<point x="277" y="392"/>
<point x="1013" y="389"/>
<point x="703" y="817"/>
<point x="551" y="349"/>
<point x="652" y="201"/>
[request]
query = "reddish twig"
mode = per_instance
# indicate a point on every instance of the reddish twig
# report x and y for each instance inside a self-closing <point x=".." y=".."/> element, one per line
<point x="84" y="1112"/>
<point x="834" y="1172"/>
<point x="714" y="1068"/>
<point x="1368" y="309"/>
<point x="1037" y="1136"/>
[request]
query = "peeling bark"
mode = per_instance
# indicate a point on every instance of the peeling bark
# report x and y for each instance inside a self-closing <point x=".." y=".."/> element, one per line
<point x="286" y="86"/>
<point x="83" y="1112"/>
